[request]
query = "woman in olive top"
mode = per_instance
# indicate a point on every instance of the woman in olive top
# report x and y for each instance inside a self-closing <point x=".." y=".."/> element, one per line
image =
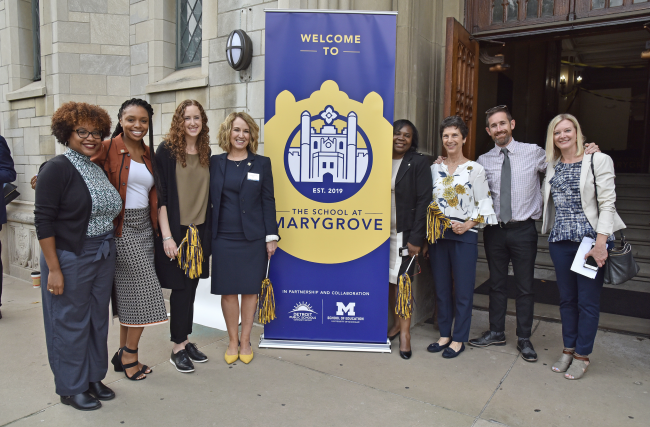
<point x="74" y="211"/>
<point x="183" y="168"/>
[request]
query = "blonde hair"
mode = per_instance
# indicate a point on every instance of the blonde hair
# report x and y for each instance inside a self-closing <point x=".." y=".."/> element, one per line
<point x="226" y="127"/>
<point x="552" y="152"/>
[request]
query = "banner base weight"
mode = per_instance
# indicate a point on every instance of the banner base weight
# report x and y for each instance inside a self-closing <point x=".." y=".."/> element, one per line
<point x="325" y="345"/>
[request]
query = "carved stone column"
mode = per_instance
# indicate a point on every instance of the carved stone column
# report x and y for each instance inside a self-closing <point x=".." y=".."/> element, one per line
<point x="23" y="250"/>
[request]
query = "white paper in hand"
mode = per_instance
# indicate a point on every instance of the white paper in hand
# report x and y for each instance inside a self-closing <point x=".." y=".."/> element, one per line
<point x="579" y="260"/>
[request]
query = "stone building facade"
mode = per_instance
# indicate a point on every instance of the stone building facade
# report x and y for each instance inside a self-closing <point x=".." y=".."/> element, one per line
<point x="106" y="51"/>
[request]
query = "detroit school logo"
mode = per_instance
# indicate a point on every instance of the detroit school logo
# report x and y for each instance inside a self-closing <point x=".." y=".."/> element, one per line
<point x="328" y="156"/>
<point x="302" y="312"/>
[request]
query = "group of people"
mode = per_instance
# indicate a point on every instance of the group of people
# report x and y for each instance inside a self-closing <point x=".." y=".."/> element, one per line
<point x="113" y="219"/>
<point x="116" y="221"/>
<point x="501" y="193"/>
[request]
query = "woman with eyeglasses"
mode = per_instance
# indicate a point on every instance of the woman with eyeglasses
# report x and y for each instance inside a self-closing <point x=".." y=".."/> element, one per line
<point x="74" y="211"/>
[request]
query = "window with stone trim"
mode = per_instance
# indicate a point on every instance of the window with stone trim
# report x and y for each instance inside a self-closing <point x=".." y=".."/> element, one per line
<point x="36" y="39"/>
<point x="189" y="33"/>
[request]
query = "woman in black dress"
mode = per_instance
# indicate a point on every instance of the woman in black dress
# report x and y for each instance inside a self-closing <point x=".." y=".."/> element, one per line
<point x="244" y="230"/>
<point x="182" y="166"/>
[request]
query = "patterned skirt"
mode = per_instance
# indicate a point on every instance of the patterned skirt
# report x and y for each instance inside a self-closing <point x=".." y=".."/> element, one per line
<point x="137" y="289"/>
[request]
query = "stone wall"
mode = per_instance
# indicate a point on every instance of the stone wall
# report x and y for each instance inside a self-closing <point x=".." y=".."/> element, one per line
<point x="106" y="51"/>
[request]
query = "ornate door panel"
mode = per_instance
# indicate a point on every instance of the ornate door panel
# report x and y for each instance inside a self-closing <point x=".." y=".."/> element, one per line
<point x="461" y="80"/>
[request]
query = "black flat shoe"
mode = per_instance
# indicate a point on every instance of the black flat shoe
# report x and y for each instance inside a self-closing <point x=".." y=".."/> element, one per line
<point x="489" y="338"/>
<point x="100" y="391"/>
<point x="82" y="401"/>
<point x="181" y="361"/>
<point x="449" y="353"/>
<point x="195" y="354"/>
<point x="390" y="338"/>
<point x="405" y="354"/>
<point x="527" y="351"/>
<point x="436" y="348"/>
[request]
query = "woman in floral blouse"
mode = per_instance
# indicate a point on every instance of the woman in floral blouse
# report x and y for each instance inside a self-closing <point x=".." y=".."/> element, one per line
<point x="461" y="191"/>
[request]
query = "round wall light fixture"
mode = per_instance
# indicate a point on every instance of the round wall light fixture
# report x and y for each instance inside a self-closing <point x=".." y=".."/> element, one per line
<point x="239" y="50"/>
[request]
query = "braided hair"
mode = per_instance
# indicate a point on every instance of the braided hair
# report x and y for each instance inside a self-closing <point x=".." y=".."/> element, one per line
<point x="118" y="129"/>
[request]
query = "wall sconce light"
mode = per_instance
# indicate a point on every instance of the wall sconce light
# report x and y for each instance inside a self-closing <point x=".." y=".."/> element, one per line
<point x="579" y="79"/>
<point x="239" y="50"/>
<point x="562" y="80"/>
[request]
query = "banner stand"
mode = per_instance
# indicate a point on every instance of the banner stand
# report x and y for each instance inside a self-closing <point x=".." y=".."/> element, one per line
<point x="325" y="345"/>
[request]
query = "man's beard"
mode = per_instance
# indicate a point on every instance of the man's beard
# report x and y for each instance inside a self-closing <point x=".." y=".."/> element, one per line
<point x="504" y="139"/>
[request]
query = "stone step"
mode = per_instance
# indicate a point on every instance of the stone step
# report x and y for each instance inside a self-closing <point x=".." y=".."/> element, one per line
<point x="544" y="259"/>
<point x="633" y="204"/>
<point x="632" y="179"/>
<point x="640" y="250"/>
<point x="633" y="190"/>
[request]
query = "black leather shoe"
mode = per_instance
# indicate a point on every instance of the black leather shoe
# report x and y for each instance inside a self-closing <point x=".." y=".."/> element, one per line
<point x="100" y="391"/>
<point x="82" y="401"/>
<point x="449" y="353"/>
<point x="435" y="347"/>
<point x="195" y="354"/>
<point x="406" y="355"/>
<point x="181" y="361"/>
<point x="527" y="351"/>
<point x="489" y="338"/>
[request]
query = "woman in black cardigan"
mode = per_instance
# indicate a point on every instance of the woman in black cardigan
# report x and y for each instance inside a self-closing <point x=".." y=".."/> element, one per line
<point x="183" y="169"/>
<point x="411" y="187"/>
<point x="73" y="213"/>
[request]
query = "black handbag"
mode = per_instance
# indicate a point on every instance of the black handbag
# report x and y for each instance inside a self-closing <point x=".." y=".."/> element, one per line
<point x="10" y="192"/>
<point x="620" y="265"/>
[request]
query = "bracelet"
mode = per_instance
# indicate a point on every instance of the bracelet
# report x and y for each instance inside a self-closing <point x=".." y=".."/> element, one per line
<point x="166" y="238"/>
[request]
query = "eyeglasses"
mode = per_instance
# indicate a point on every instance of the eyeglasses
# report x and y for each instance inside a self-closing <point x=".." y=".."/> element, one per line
<point x="83" y="133"/>
<point x="497" y="108"/>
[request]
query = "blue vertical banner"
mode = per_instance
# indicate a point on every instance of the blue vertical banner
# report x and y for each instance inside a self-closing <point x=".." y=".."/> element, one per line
<point x="329" y="100"/>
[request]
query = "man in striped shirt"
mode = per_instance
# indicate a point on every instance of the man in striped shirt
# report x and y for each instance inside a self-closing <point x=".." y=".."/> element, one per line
<point x="514" y="170"/>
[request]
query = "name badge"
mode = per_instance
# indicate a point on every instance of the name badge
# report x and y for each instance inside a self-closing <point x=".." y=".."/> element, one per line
<point x="253" y="176"/>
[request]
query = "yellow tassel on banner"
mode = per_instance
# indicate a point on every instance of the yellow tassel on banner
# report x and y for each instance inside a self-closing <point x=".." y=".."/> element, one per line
<point x="437" y="222"/>
<point x="404" y="303"/>
<point x="266" y="300"/>
<point x="190" y="254"/>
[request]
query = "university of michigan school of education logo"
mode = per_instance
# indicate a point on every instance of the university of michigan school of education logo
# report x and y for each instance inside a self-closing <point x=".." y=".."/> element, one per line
<point x="328" y="165"/>
<point x="331" y="158"/>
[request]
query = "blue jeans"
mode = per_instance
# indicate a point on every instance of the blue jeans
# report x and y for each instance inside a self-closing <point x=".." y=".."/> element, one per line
<point x="579" y="298"/>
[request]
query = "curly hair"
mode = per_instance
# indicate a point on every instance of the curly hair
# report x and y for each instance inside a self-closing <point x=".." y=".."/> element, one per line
<point x="72" y="114"/>
<point x="175" y="138"/>
<point x="226" y="127"/>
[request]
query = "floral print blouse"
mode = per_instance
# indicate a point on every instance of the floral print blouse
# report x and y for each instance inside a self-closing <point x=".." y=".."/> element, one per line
<point x="106" y="201"/>
<point x="465" y="195"/>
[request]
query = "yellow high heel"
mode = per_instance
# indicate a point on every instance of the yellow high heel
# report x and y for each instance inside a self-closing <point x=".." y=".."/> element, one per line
<point x="246" y="358"/>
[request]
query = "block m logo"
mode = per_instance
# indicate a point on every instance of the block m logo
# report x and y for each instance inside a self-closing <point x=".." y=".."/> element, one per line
<point x="348" y="309"/>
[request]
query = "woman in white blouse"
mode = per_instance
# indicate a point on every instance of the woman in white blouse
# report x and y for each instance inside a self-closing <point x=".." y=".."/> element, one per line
<point x="461" y="191"/>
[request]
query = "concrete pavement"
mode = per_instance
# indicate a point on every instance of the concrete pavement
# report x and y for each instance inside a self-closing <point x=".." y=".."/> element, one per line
<point x="482" y="387"/>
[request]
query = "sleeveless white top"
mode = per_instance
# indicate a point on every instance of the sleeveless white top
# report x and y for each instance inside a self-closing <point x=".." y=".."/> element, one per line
<point x="138" y="187"/>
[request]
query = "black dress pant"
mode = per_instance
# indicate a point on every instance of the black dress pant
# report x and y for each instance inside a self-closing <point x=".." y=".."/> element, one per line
<point x="516" y="242"/>
<point x="181" y="305"/>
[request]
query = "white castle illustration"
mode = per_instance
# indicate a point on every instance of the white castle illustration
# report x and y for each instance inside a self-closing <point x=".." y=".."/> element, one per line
<point x="329" y="152"/>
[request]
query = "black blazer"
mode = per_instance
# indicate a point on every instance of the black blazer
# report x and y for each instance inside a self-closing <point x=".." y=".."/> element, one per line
<point x="257" y="204"/>
<point x="169" y="274"/>
<point x="63" y="205"/>
<point x="413" y="190"/>
<point x="7" y="174"/>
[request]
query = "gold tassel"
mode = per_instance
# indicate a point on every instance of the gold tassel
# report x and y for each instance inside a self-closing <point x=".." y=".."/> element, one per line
<point x="437" y="222"/>
<point x="266" y="300"/>
<point x="404" y="303"/>
<point x="190" y="254"/>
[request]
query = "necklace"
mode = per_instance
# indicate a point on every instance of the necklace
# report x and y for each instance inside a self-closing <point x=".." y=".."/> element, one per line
<point x="239" y="162"/>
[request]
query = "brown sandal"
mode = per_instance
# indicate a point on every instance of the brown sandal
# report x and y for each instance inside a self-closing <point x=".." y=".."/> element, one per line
<point x="577" y="368"/>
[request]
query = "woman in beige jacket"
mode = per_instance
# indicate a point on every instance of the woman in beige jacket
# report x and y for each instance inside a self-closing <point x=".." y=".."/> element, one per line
<point x="572" y="211"/>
